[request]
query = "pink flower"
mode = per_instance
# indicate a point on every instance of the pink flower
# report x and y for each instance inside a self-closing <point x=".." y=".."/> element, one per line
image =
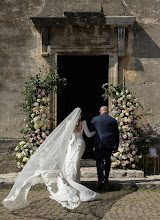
<point x="119" y="101"/>
<point x="34" y="109"/>
<point x="35" y="88"/>
<point x="130" y="119"/>
<point x="37" y="131"/>
<point x="39" y="96"/>
<point x="133" y="152"/>
<point x="43" y="135"/>
<point x="114" y="101"/>
<point x="39" y="90"/>
<point x="25" y="120"/>
<point x="127" y="162"/>
<point x="131" y="159"/>
<point x="27" y="126"/>
<point x="133" y="165"/>
<point x="31" y="139"/>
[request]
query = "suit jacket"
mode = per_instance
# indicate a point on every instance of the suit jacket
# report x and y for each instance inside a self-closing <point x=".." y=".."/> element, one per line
<point x="107" y="134"/>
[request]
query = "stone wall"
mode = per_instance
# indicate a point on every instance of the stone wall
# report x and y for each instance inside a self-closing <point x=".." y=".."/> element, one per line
<point x="21" y="52"/>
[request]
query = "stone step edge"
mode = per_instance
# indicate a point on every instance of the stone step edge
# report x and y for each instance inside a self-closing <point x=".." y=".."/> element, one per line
<point x="92" y="183"/>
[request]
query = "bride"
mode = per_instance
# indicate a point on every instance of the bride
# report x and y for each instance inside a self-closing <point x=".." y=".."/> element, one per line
<point x="57" y="160"/>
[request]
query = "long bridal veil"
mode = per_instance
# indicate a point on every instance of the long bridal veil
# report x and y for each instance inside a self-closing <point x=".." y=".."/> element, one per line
<point x="45" y="163"/>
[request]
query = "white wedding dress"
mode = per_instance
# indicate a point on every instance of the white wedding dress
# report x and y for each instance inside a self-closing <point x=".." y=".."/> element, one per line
<point x="56" y="161"/>
<point x="70" y="192"/>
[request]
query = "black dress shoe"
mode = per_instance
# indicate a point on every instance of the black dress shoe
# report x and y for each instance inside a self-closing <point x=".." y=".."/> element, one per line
<point x="100" y="185"/>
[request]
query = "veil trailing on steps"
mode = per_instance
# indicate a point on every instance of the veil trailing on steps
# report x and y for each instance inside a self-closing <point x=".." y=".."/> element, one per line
<point x="45" y="164"/>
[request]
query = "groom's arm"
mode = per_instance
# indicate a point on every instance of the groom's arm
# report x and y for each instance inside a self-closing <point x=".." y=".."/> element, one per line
<point x="92" y="127"/>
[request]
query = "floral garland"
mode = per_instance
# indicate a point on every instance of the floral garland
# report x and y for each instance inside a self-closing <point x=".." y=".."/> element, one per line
<point x="124" y="105"/>
<point x="36" y="107"/>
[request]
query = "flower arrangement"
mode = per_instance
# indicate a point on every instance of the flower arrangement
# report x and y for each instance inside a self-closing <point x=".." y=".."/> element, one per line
<point x="124" y="105"/>
<point x="36" y="107"/>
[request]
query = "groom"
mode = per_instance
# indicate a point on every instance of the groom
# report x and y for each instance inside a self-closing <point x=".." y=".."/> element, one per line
<point x="106" y="141"/>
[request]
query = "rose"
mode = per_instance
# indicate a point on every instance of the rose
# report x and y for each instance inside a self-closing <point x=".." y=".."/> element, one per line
<point x="133" y="152"/>
<point x="124" y="156"/>
<point x="35" y="88"/>
<point x="43" y="135"/>
<point x="117" y="162"/>
<point x="113" y="165"/>
<point x="121" y="123"/>
<point x="131" y="159"/>
<point x="39" y="96"/>
<point x="123" y="163"/>
<point x="37" y="131"/>
<point x="133" y="166"/>
<point x="34" y="109"/>
<point x="127" y="161"/>
<point x="124" y="136"/>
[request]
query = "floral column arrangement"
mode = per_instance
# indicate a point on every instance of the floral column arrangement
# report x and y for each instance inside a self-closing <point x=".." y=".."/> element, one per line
<point x="124" y="105"/>
<point x="36" y="107"/>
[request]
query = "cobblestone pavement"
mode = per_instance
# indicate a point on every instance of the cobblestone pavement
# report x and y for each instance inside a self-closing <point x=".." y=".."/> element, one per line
<point x="112" y="205"/>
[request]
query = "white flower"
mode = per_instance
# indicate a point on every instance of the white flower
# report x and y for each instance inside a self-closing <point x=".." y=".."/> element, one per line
<point x="117" y="162"/>
<point x="127" y="148"/>
<point x="124" y="157"/>
<point x="129" y="155"/>
<point x="17" y="148"/>
<point x="31" y="151"/>
<point x="135" y="100"/>
<point x="122" y="93"/>
<point x="18" y="155"/>
<point x="36" y="104"/>
<point x="44" y="115"/>
<point x="126" y="91"/>
<point x="123" y="163"/>
<point x="120" y="149"/>
<point x="32" y="115"/>
<point x="117" y="93"/>
<point x="129" y="96"/>
<point x="38" y="100"/>
<point x="127" y="114"/>
<point x="121" y="123"/>
<point x="113" y="164"/>
<point x="22" y="143"/>
<point x="25" y="159"/>
<point x="36" y="126"/>
<point x="44" y="99"/>
<point x="116" y="154"/>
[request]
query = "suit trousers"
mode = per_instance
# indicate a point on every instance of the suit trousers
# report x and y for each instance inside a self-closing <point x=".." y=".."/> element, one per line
<point x="103" y="162"/>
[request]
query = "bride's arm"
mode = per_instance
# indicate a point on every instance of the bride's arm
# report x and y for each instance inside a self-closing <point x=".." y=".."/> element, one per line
<point x="86" y="130"/>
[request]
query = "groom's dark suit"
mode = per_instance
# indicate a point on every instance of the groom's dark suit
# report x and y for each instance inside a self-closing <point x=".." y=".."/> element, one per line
<point x="106" y="141"/>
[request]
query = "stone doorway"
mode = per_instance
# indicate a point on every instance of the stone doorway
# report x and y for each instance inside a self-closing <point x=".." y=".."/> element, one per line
<point x="85" y="76"/>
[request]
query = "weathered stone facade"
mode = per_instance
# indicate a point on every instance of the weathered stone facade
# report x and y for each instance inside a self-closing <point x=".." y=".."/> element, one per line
<point x="131" y="39"/>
